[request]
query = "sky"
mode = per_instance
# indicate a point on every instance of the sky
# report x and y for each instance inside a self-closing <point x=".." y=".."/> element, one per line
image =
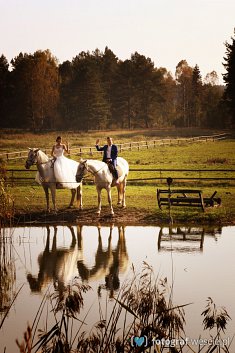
<point x="166" y="31"/>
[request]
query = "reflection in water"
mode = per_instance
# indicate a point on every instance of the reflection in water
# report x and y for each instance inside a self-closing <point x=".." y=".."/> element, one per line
<point x="101" y="256"/>
<point x="59" y="265"/>
<point x="7" y="272"/>
<point x="56" y="265"/>
<point x="108" y="262"/>
<point x="184" y="239"/>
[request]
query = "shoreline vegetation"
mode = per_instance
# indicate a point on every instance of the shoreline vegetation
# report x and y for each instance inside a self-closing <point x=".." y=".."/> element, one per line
<point x="141" y="316"/>
<point x="25" y="203"/>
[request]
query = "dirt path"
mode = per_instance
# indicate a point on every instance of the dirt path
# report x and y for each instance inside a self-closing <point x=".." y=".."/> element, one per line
<point x="121" y="217"/>
<point x="89" y="217"/>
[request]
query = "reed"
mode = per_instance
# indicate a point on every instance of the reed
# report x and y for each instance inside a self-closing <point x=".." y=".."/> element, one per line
<point x="7" y="206"/>
<point x="142" y="313"/>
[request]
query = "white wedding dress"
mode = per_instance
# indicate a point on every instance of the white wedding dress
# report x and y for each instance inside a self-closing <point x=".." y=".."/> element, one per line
<point x="65" y="169"/>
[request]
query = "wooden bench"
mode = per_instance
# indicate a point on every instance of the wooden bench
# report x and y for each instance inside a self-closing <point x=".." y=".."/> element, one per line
<point x="186" y="198"/>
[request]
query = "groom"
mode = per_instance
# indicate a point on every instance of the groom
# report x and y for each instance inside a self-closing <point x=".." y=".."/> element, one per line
<point x="110" y="154"/>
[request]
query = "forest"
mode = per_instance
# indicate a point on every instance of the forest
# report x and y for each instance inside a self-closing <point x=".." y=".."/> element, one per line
<point x="96" y="90"/>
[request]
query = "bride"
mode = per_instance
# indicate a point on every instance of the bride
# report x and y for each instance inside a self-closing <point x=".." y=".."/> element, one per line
<point x="65" y="169"/>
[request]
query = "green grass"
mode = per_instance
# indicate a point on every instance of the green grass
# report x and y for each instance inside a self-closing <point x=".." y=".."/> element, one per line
<point x="139" y="199"/>
<point x="141" y="196"/>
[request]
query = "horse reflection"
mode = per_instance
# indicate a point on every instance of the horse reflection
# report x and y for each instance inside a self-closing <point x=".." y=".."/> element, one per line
<point x="109" y="262"/>
<point x="57" y="265"/>
<point x="184" y="239"/>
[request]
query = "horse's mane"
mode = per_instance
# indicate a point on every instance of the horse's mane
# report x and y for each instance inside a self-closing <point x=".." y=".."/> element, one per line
<point x="96" y="162"/>
<point x="42" y="156"/>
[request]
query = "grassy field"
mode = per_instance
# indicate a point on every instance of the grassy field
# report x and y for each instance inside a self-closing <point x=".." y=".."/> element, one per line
<point x="141" y="196"/>
<point x="20" y="140"/>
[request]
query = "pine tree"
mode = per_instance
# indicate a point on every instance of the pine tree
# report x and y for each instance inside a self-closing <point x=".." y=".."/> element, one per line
<point x="229" y="77"/>
<point x="196" y="97"/>
<point x="4" y="74"/>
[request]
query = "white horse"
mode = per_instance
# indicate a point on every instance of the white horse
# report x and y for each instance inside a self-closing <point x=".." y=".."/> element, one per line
<point x="104" y="179"/>
<point x="47" y="179"/>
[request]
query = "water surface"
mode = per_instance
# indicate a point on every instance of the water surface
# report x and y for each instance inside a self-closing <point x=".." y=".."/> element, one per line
<point x="198" y="263"/>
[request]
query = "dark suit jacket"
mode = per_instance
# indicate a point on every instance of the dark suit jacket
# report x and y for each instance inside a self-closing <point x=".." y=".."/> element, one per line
<point x="114" y="153"/>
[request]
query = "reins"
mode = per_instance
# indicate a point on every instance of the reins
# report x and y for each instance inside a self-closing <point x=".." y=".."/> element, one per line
<point x="97" y="171"/>
<point x="90" y="171"/>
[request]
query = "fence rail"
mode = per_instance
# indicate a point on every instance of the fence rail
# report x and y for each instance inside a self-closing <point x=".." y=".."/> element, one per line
<point x="19" y="176"/>
<point x="126" y="146"/>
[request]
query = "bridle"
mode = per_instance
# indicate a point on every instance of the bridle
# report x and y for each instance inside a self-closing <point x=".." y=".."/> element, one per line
<point x="33" y="160"/>
<point x="83" y="168"/>
<point x="80" y="176"/>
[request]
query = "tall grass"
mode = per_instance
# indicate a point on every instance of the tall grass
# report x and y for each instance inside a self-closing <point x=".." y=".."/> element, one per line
<point x="6" y="198"/>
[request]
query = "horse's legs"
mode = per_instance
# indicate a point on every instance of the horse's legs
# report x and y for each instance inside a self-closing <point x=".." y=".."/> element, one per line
<point x="110" y="200"/>
<point x="73" y="193"/>
<point x="119" y="189"/>
<point x="53" y="191"/>
<point x="47" y="197"/>
<point x="54" y="246"/>
<point x="99" y="200"/>
<point x="124" y="193"/>
<point x="73" y="242"/>
<point x="79" y="196"/>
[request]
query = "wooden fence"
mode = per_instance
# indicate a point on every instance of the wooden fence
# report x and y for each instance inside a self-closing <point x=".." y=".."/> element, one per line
<point x="127" y="146"/>
<point x="17" y="177"/>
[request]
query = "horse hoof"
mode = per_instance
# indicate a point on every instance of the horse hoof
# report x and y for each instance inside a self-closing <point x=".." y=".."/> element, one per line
<point x="98" y="213"/>
<point x="119" y="203"/>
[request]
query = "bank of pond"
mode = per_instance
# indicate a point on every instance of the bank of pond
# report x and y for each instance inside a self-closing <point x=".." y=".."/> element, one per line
<point x="149" y="282"/>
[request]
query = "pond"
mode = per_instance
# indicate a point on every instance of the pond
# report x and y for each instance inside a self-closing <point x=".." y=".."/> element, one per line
<point x="197" y="262"/>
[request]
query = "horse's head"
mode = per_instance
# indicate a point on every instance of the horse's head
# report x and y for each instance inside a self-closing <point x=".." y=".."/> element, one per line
<point x="32" y="157"/>
<point x="81" y="171"/>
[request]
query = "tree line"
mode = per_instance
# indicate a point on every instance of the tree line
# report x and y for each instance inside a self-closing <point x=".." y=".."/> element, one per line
<point x="96" y="90"/>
